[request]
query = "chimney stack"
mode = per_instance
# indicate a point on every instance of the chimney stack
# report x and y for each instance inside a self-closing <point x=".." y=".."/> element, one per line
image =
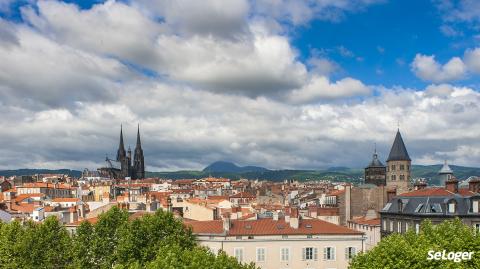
<point x="420" y="185"/>
<point x="227" y="223"/>
<point x="294" y="218"/>
<point x="390" y="194"/>
<point x="451" y="185"/>
<point x="474" y="184"/>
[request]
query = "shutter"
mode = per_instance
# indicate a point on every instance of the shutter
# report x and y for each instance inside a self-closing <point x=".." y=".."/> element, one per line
<point x="304" y="250"/>
<point x="333" y="253"/>
<point x="315" y="254"/>
<point x="346" y="254"/>
<point x="325" y="254"/>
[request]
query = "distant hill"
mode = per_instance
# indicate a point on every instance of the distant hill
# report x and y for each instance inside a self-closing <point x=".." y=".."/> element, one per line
<point x="228" y="167"/>
<point x="29" y="172"/>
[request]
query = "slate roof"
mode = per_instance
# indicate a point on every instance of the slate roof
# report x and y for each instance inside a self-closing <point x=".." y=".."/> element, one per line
<point x="398" y="152"/>
<point x="431" y="201"/>
<point x="375" y="161"/>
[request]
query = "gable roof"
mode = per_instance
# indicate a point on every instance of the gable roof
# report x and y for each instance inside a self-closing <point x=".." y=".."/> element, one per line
<point x="398" y="152"/>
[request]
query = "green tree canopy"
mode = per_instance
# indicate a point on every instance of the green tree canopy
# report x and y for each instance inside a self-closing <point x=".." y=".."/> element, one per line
<point x="155" y="240"/>
<point x="410" y="250"/>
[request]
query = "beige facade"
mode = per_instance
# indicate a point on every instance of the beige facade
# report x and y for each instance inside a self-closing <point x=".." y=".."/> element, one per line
<point x="398" y="175"/>
<point x="295" y="251"/>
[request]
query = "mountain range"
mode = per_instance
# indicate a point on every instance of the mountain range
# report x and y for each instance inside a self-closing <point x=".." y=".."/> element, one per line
<point x="233" y="171"/>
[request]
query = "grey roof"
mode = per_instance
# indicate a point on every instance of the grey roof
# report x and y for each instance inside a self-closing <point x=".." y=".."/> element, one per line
<point x="445" y="169"/>
<point x="430" y="205"/>
<point x="375" y="161"/>
<point x="398" y="151"/>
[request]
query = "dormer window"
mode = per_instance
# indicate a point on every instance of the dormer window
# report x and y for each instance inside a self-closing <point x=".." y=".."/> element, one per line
<point x="400" y="206"/>
<point x="452" y="207"/>
<point x="475" y="206"/>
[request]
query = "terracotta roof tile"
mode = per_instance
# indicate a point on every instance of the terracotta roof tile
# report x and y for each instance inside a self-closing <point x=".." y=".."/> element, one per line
<point x="270" y="227"/>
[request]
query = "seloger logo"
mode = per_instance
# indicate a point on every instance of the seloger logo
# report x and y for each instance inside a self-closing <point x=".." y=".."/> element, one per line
<point x="450" y="256"/>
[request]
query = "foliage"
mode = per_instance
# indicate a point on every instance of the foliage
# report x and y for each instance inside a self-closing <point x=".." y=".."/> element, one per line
<point x="151" y="241"/>
<point x="411" y="250"/>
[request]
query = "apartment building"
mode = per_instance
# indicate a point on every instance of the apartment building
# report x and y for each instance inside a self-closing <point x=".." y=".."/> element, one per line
<point x="289" y="242"/>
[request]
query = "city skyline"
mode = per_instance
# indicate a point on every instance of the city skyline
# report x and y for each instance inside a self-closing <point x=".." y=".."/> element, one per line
<point x="299" y="85"/>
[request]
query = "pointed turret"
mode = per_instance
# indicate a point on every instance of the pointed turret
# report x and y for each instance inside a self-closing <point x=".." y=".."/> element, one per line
<point x="398" y="151"/>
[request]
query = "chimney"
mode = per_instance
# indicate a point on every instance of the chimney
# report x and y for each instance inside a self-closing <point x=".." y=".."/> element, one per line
<point x="452" y="185"/>
<point x="420" y="185"/>
<point x="227" y="223"/>
<point x="474" y="184"/>
<point x="294" y="218"/>
<point x="390" y="194"/>
<point x="371" y="214"/>
<point x="275" y="215"/>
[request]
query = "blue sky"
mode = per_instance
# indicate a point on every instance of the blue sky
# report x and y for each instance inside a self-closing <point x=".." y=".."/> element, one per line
<point x="299" y="84"/>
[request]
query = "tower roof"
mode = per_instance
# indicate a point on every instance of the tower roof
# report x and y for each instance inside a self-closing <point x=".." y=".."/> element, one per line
<point x="445" y="169"/>
<point x="398" y="151"/>
<point x="375" y="161"/>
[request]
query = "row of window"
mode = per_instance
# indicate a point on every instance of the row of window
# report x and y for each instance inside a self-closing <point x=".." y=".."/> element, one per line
<point x="394" y="177"/>
<point x="388" y="225"/>
<point x="402" y="167"/>
<point x="308" y="254"/>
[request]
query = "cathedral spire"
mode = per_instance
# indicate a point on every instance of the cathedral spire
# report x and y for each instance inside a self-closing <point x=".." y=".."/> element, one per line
<point x="139" y="143"/>
<point x="398" y="152"/>
<point x="121" y="146"/>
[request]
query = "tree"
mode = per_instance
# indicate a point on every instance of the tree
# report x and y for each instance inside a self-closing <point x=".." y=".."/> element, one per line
<point x="411" y="250"/>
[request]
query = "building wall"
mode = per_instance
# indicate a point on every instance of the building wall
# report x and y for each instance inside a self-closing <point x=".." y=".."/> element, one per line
<point x="372" y="233"/>
<point x="361" y="200"/>
<point x="398" y="177"/>
<point x="274" y="244"/>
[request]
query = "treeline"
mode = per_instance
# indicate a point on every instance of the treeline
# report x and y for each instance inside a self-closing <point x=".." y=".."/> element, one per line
<point x="152" y="241"/>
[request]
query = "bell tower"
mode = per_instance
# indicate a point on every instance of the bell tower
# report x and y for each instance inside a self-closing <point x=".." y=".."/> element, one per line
<point x="398" y="165"/>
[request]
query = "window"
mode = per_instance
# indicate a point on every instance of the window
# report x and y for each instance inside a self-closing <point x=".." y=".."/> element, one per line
<point x="393" y="167"/>
<point x="417" y="228"/>
<point x="350" y="252"/>
<point x="284" y="236"/>
<point x="309" y="236"/>
<point x="260" y="254"/>
<point x="394" y="178"/>
<point x="391" y="226"/>
<point x="402" y="177"/>
<point x="399" y="227"/>
<point x="285" y="254"/>
<point x="238" y="254"/>
<point x="310" y="254"/>
<point x="329" y="253"/>
<point x="400" y="206"/>
<point x="419" y="208"/>
<point x="250" y="237"/>
<point x="475" y="206"/>
<point x="387" y="207"/>
<point x="406" y="226"/>
<point x="451" y="207"/>
<point x="239" y="237"/>
<point x="402" y="167"/>
<point x="477" y="227"/>
<point x="384" y="225"/>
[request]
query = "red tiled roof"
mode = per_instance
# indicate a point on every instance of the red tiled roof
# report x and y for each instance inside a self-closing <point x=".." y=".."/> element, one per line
<point x="270" y="227"/>
<point x="243" y="195"/>
<point x="336" y="192"/>
<point x="436" y="191"/>
<point x="22" y="197"/>
<point x="364" y="221"/>
<point x="45" y="185"/>
<point x="63" y="200"/>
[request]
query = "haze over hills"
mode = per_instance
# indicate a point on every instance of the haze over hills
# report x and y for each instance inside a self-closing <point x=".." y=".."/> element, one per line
<point x="233" y="171"/>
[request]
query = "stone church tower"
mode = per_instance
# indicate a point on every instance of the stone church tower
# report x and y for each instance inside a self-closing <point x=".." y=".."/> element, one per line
<point x="398" y="166"/>
<point x="375" y="172"/>
<point x="133" y="168"/>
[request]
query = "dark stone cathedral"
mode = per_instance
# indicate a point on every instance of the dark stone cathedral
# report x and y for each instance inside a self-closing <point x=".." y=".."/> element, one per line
<point x="125" y="166"/>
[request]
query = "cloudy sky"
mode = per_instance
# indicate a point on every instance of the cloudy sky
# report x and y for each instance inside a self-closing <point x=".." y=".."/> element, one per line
<point x="277" y="83"/>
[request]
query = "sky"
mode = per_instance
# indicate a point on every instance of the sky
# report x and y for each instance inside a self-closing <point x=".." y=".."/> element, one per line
<point x="284" y="84"/>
